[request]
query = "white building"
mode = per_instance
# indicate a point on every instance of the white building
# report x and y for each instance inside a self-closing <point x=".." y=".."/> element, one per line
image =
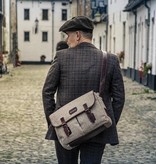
<point x="100" y="35"/>
<point x="118" y="29"/>
<point x="38" y="23"/>
<point x="100" y="18"/>
<point x="152" y="41"/>
<point x="142" y="41"/>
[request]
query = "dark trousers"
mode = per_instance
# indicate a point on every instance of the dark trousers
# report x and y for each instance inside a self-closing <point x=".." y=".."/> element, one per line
<point x="90" y="153"/>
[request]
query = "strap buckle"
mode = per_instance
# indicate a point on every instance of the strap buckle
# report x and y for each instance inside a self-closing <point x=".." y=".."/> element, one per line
<point x="65" y="127"/>
<point x="89" y="113"/>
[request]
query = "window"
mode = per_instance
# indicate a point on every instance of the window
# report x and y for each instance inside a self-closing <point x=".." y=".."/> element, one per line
<point x="26" y="14"/>
<point x="64" y="3"/>
<point x="26" y="36"/>
<point x="44" y="36"/>
<point x="44" y="14"/>
<point x="64" y="14"/>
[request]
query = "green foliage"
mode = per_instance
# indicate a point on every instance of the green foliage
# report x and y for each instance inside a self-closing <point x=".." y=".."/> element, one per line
<point x="147" y="67"/>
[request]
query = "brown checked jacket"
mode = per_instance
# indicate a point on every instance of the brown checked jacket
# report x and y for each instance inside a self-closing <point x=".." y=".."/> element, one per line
<point x="76" y="71"/>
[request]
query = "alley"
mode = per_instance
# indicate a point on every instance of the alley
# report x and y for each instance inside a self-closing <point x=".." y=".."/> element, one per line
<point x="23" y="125"/>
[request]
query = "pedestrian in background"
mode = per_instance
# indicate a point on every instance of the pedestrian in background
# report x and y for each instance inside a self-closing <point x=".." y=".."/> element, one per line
<point x="17" y="59"/>
<point x="1" y="64"/>
<point x="61" y="45"/>
<point x="74" y="72"/>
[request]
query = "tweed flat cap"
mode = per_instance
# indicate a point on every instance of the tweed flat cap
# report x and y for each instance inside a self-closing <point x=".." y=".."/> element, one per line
<point x="82" y="23"/>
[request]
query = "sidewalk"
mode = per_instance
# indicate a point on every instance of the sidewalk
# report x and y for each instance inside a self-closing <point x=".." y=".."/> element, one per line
<point x="23" y="124"/>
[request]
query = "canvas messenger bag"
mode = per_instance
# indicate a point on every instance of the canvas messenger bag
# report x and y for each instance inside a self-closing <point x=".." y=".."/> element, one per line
<point x="82" y="118"/>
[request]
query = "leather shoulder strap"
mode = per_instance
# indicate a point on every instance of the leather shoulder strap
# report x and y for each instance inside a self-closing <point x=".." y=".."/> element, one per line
<point x="103" y="72"/>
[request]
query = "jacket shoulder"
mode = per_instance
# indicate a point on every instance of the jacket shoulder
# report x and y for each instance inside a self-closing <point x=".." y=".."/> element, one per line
<point x="112" y="56"/>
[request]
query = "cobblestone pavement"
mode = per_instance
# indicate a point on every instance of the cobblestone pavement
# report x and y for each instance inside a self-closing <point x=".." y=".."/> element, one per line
<point x="23" y="126"/>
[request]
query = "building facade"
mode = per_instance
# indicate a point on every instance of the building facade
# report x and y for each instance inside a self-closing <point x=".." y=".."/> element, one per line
<point x="100" y="18"/>
<point x="118" y="30"/>
<point x="124" y="27"/>
<point x="38" y="25"/>
<point x="142" y="41"/>
<point x="13" y="30"/>
<point x="80" y="7"/>
<point x="33" y="30"/>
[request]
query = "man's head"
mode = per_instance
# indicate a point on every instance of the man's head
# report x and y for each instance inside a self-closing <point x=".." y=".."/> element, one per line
<point x="79" y="29"/>
<point x="61" y="45"/>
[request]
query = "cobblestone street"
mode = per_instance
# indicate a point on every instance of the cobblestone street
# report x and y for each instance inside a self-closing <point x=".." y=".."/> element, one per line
<point x="23" y="125"/>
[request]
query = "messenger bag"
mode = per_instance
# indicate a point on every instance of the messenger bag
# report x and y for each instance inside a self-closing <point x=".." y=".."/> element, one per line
<point x="82" y="118"/>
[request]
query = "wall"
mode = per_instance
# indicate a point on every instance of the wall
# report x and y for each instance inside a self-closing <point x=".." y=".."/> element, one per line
<point x="32" y="51"/>
<point x="152" y="42"/>
<point x="142" y="51"/>
<point x="100" y="32"/>
<point x="118" y="28"/>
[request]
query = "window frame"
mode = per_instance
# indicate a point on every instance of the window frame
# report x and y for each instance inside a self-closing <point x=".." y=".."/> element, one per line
<point x="45" y="15"/>
<point x="26" y="38"/>
<point x="26" y="15"/>
<point x="44" y="37"/>
<point x="64" y="15"/>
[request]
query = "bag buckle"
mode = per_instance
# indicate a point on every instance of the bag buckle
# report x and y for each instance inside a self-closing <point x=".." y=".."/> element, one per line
<point x="89" y="113"/>
<point x="65" y="127"/>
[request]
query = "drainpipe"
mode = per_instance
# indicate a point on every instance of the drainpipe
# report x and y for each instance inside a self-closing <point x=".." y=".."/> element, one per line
<point x="135" y="31"/>
<point x="148" y="29"/>
<point x="53" y="8"/>
<point x="107" y="33"/>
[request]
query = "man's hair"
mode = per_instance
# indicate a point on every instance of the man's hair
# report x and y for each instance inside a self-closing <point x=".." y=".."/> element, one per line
<point x="87" y="35"/>
<point x="61" y="45"/>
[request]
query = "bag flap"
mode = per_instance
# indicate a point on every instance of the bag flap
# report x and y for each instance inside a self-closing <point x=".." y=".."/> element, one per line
<point x="72" y="109"/>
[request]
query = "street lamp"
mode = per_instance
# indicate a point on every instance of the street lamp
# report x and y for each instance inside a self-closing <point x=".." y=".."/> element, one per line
<point x="97" y="17"/>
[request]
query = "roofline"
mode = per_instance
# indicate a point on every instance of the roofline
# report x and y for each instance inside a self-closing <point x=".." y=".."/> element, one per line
<point x="131" y="6"/>
<point x="47" y="0"/>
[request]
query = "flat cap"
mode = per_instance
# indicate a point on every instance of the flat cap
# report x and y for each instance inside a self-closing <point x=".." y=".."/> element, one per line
<point x="82" y="23"/>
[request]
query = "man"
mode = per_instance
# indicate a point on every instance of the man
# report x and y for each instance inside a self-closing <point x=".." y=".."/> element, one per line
<point x="74" y="72"/>
<point x="61" y="45"/>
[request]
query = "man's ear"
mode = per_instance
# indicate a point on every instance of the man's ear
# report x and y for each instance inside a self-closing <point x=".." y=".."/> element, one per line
<point x="78" y="34"/>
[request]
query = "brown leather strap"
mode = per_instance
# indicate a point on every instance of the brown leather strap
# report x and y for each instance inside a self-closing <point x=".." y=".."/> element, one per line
<point x="65" y="127"/>
<point x="103" y="73"/>
<point x="90" y="115"/>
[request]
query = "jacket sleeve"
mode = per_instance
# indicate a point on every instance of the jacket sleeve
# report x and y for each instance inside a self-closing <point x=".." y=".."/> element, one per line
<point x="49" y="89"/>
<point x="117" y="90"/>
